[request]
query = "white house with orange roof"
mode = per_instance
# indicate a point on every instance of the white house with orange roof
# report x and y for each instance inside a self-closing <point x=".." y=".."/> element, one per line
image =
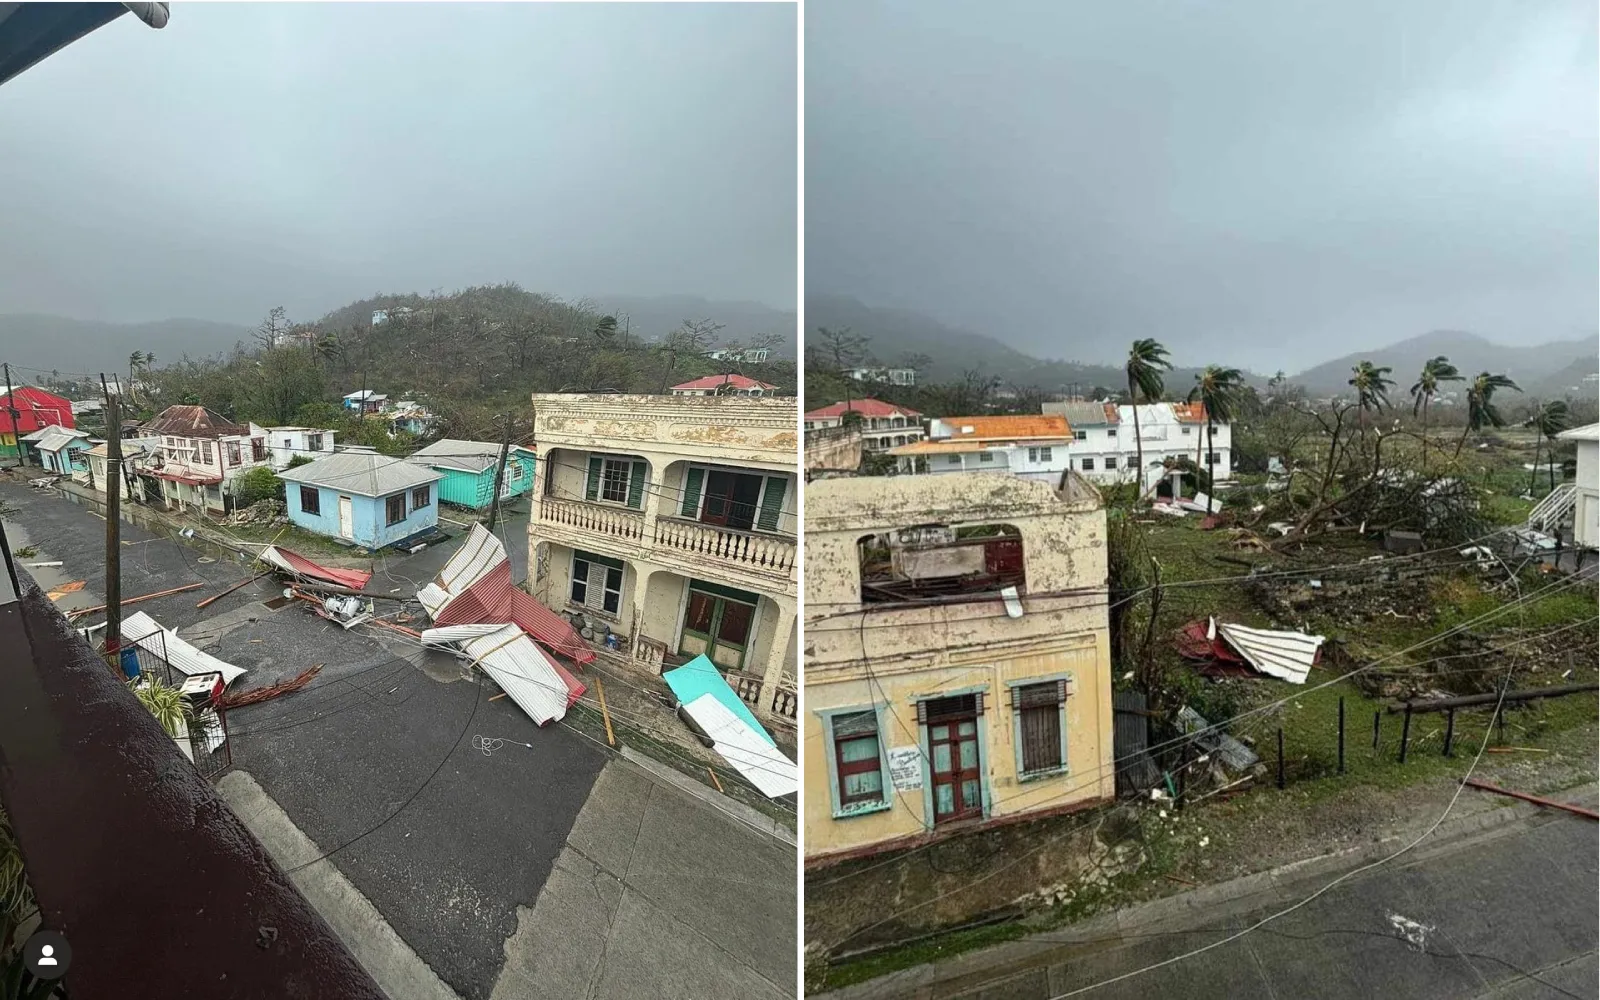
<point x="724" y="385"/>
<point x="1095" y="440"/>
<point x="883" y="425"/>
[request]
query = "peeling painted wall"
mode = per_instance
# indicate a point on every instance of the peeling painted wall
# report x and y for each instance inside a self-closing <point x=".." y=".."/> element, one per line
<point x="891" y="657"/>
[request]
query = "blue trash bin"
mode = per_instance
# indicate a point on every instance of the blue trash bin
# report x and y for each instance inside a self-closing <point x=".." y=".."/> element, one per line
<point x="130" y="661"/>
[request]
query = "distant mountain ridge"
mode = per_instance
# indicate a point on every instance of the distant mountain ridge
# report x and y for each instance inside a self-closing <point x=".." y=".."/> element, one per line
<point x="1537" y="369"/>
<point x="43" y="343"/>
<point x="894" y="333"/>
<point x="1549" y="369"/>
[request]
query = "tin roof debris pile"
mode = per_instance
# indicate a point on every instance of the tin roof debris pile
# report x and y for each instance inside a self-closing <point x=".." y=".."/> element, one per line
<point x="475" y="586"/>
<point x="1237" y="651"/>
<point x="295" y="564"/>
<point x="728" y="722"/>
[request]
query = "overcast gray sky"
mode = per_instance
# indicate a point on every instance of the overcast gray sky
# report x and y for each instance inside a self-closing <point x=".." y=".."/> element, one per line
<point x="311" y="154"/>
<point x="1266" y="184"/>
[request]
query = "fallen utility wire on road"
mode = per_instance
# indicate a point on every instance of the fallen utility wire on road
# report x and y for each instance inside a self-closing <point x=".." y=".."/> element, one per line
<point x="1536" y="800"/>
<point x="241" y="584"/>
<point x="80" y="612"/>
<point x="271" y="691"/>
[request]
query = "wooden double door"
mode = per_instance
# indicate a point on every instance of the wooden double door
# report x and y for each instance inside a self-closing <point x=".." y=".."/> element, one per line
<point x="955" y="758"/>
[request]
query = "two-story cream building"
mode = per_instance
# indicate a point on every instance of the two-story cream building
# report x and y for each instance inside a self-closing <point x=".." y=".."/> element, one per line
<point x="957" y="664"/>
<point x="672" y="520"/>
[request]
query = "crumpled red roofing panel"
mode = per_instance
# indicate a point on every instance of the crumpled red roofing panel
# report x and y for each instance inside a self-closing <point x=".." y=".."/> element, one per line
<point x="355" y="579"/>
<point x="494" y="598"/>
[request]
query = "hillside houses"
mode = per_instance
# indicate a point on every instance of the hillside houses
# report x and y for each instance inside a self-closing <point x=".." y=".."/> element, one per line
<point x="883" y="425"/>
<point x="469" y="469"/>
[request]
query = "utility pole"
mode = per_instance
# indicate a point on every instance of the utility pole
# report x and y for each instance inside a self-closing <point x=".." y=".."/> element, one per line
<point x="500" y="473"/>
<point x="113" y="518"/>
<point x="16" y="428"/>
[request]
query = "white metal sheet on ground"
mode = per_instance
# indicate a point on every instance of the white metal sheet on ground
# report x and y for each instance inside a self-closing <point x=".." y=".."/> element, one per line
<point x="522" y="670"/>
<point x="434" y="597"/>
<point x="146" y="633"/>
<point x="479" y="554"/>
<point x="1285" y="655"/>
<point x="762" y="764"/>
<point x="445" y="634"/>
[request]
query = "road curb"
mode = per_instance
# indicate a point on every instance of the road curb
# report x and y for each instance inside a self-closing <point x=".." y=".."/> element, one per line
<point x="756" y="820"/>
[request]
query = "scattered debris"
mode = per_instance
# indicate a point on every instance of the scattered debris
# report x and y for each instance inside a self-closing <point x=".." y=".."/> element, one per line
<point x="163" y="643"/>
<point x="1536" y="800"/>
<point x="217" y="597"/>
<point x="743" y="742"/>
<point x="260" y="694"/>
<point x="1415" y="934"/>
<point x="66" y="588"/>
<point x="297" y="565"/>
<point x="44" y="565"/>
<point x="1169" y="510"/>
<point x="1236" y="651"/>
<point x="80" y="612"/>
<point x="267" y="511"/>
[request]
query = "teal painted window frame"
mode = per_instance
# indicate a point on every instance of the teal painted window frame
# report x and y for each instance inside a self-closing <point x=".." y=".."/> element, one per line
<point x="1016" y="726"/>
<point x="857" y="808"/>
<point x="984" y="789"/>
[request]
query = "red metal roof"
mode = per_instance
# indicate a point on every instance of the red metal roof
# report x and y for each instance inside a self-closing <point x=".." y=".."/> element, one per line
<point x="494" y="598"/>
<point x="716" y="381"/>
<point x="298" y="564"/>
<point x="177" y="477"/>
<point x="865" y="407"/>
<point x="35" y="408"/>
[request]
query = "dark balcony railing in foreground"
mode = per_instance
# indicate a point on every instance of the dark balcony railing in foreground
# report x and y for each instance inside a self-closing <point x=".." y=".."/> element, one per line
<point x="91" y="783"/>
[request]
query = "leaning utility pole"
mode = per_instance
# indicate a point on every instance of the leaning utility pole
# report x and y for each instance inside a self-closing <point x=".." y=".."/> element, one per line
<point x="113" y="518"/>
<point x="500" y="473"/>
<point x="16" y="428"/>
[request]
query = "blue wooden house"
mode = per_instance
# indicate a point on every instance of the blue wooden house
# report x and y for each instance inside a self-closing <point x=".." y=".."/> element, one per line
<point x="468" y="469"/>
<point x="367" y="499"/>
<point x="60" y="449"/>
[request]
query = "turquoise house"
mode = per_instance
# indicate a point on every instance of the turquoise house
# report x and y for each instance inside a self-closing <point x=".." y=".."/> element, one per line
<point x="60" y="449"/>
<point x="359" y="496"/>
<point x="468" y="471"/>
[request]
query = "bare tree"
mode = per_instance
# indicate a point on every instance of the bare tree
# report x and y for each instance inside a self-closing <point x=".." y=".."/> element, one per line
<point x="692" y="338"/>
<point x="272" y="329"/>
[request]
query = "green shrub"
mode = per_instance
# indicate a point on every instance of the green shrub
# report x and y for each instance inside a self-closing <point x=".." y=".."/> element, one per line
<point x="260" y="483"/>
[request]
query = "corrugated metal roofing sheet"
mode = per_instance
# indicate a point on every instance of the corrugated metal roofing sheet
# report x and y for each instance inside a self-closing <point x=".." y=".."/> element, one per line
<point x="480" y="553"/>
<point x="463" y="456"/>
<point x="450" y="634"/>
<point x="363" y="472"/>
<point x="1025" y="427"/>
<point x="299" y="565"/>
<point x="496" y="599"/>
<point x="748" y="750"/>
<point x="865" y="407"/>
<point x="523" y="671"/>
<point x="146" y="633"/>
<point x="1285" y="655"/>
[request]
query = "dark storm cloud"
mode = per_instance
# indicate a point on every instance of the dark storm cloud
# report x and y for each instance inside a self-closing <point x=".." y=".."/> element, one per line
<point x="1266" y="184"/>
<point x="311" y="154"/>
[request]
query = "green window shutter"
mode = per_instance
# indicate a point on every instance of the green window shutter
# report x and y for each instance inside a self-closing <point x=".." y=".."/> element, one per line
<point x="636" y="486"/>
<point x="592" y="492"/>
<point x="691" y="492"/>
<point x="772" y="504"/>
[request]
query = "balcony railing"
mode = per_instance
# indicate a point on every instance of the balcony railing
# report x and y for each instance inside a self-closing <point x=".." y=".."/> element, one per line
<point x="773" y="554"/>
<point x="786" y="699"/>
<point x="598" y="519"/>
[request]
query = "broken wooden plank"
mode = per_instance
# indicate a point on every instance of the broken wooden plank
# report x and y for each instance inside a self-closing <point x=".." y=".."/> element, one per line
<point x="605" y="714"/>
<point x="79" y="612"/>
<point x="497" y="697"/>
<point x="1536" y="800"/>
<point x="714" y="780"/>
<point x="217" y="597"/>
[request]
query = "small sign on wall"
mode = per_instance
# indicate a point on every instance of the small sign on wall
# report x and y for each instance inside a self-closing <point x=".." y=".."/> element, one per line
<point x="905" y="768"/>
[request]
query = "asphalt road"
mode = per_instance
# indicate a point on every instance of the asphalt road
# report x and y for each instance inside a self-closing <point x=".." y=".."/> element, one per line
<point x="374" y="761"/>
<point x="1511" y="915"/>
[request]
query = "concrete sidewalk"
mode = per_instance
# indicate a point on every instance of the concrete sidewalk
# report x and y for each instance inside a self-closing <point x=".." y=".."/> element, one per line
<point x="657" y="894"/>
<point x="1498" y="893"/>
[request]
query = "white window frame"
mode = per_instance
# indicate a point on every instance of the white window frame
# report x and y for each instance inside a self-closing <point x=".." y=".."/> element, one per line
<point x="863" y="808"/>
<point x="627" y="479"/>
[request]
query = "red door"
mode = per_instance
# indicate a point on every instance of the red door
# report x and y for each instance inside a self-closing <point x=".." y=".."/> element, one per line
<point x="953" y="754"/>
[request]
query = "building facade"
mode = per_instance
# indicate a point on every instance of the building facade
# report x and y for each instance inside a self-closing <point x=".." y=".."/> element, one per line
<point x="1586" y="486"/>
<point x="357" y="495"/>
<point x="59" y="449"/>
<point x="285" y="444"/>
<point x="1095" y="440"/>
<point x="990" y="705"/>
<point x="25" y="409"/>
<point x="197" y="455"/>
<point x="883" y="425"/>
<point x="893" y="376"/>
<point x="469" y="467"/>
<point x="671" y="520"/>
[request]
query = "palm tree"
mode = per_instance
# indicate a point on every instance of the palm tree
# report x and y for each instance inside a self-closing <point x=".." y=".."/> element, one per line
<point x="327" y="348"/>
<point x="605" y="329"/>
<point x="1481" y="410"/>
<point x="1434" y="371"/>
<point x="1147" y="359"/>
<point x="1372" y="388"/>
<point x="1548" y="420"/>
<point x="1218" y="391"/>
